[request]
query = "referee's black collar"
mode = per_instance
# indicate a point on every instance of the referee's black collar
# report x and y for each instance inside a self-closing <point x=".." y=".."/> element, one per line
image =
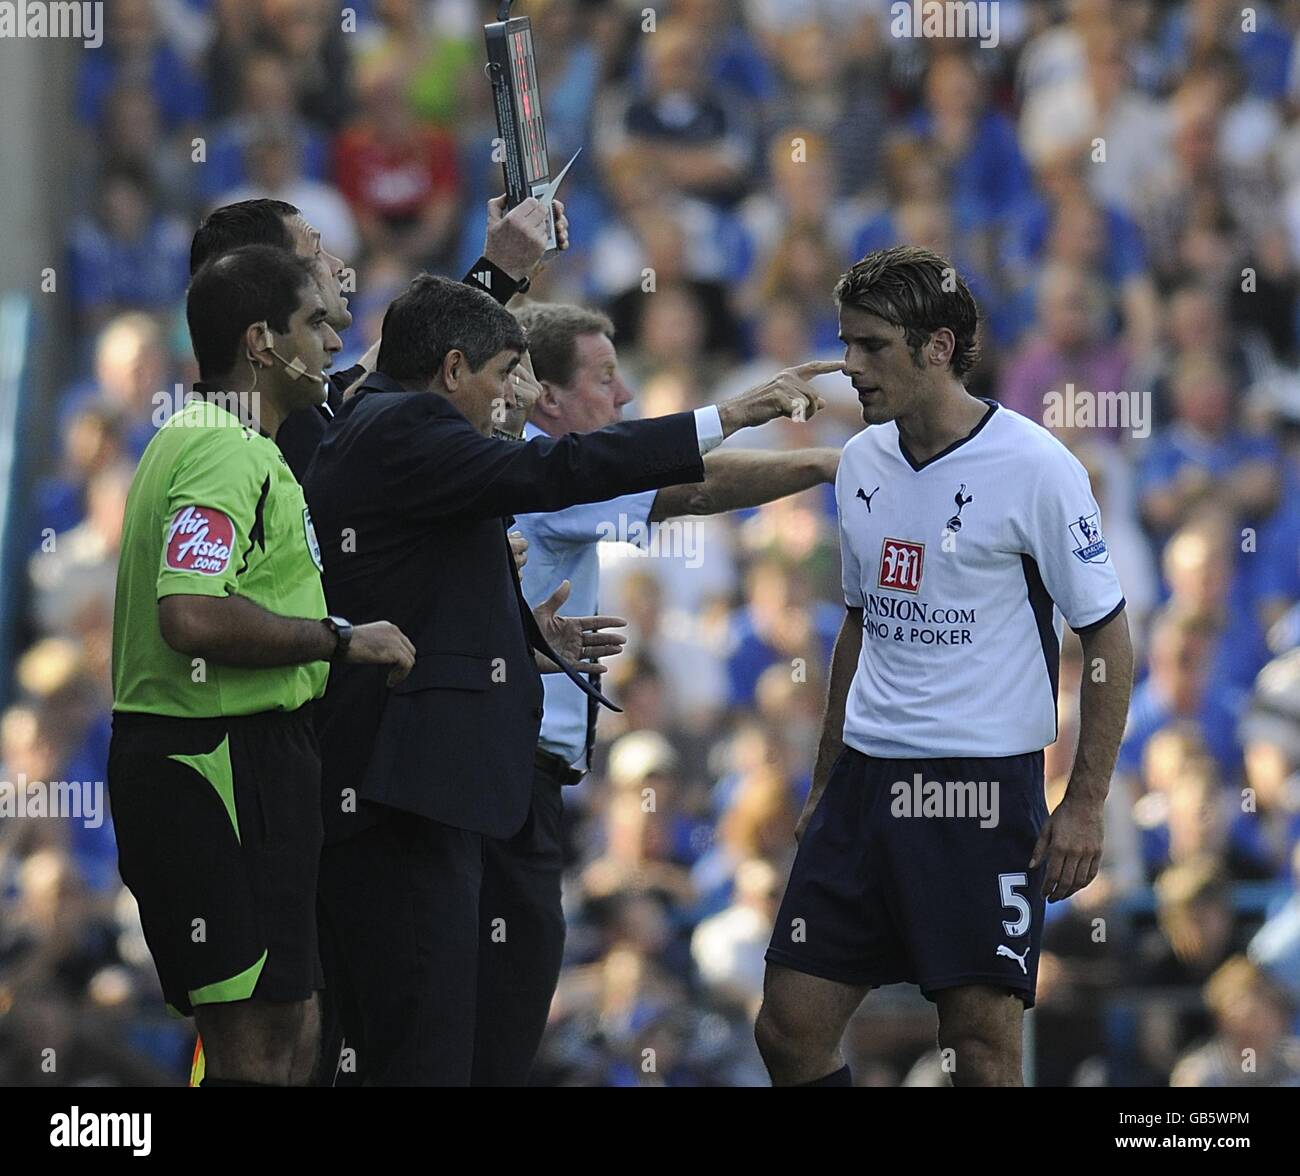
<point x="205" y="388"/>
<point x="918" y="466"/>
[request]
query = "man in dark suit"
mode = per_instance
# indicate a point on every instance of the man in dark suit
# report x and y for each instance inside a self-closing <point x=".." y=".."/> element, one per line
<point x="411" y="499"/>
<point x="512" y="251"/>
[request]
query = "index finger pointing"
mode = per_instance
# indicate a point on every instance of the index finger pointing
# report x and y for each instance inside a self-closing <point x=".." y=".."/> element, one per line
<point x="817" y="367"/>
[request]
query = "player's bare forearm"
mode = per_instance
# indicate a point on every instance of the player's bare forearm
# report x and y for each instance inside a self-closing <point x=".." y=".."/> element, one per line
<point x="234" y="631"/>
<point x="1103" y="708"/>
<point x="844" y="664"/>
<point x="734" y="480"/>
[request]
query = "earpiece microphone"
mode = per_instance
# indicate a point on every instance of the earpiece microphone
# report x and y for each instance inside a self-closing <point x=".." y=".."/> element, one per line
<point x="297" y="369"/>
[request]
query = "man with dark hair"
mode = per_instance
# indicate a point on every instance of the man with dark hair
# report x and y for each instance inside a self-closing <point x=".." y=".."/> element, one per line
<point x="925" y="848"/>
<point x="413" y="496"/>
<point x="512" y="250"/>
<point x="220" y="644"/>
<point x="581" y="390"/>
<point x="250" y="222"/>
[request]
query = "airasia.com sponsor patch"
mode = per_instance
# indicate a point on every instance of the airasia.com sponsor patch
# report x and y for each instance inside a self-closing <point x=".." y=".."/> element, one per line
<point x="200" y="540"/>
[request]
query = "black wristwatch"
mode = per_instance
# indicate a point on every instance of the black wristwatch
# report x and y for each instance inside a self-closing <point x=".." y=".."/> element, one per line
<point x="342" y="631"/>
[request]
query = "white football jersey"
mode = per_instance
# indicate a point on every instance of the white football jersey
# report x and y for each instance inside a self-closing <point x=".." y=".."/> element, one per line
<point x="963" y="566"/>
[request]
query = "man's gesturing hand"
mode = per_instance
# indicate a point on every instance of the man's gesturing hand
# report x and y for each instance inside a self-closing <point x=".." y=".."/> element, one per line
<point x="581" y="641"/>
<point x="1071" y="845"/>
<point x="516" y="239"/>
<point x="382" y="643"/>
<point x="787" y="394"/>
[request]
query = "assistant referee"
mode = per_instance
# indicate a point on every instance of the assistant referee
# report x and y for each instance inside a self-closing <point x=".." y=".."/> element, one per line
<point x="220" y="644"/>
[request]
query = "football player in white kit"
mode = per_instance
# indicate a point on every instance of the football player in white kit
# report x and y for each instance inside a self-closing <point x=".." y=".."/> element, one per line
<point x="968" y="533"/>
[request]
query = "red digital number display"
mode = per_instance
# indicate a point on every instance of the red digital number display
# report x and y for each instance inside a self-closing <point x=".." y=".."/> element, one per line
<point x="531" y="132"/>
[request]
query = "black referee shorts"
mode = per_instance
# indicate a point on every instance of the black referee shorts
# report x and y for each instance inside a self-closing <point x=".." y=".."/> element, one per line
<point x="219" y="835"/>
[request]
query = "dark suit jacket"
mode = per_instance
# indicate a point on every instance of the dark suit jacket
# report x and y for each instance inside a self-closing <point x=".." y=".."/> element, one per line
<point x="409" y="504"/>
<point x="300" y="432"/>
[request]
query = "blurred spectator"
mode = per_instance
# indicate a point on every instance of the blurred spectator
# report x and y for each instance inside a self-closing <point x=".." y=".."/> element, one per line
<point x="698" y="137"/>
<point x="128" y="254"/>
<point x="399" y="175"/>
<point x="1205" y="822"/>
<point x="130" y="371"/>
<point x="758" y="811"/>
<point x="1196" y="322"/>
<point x="1093" y="108"/>
<point x="1270" y="738"/>
<point x="1074" y="352"/>
<point x="274" y="171"/>
<point x="800" y="194"/>
<point x="1251" y="1045"/>
<point x="832" y="80"/>
<point x="978" y="145"/>
<point x="1179" y="688"/>
<point x="309" y="36"/>
<point x="75" y="574"/>
<point x="1197" y="180"/>
<point x="1210" y="576"/>
<point x="91" y="443"/>
<point x="1062" y="221"/>
<point x="131" y="134"/>
<point x="135" y="48"/>
<point x="1205" y="453"/>
<point x="433" y="47"/>
<point x="1196" y="926"/>
<point x="1276" y="945"/>
<point x="685" y="649"/>
<point x="781" y="623"/>
<point x="728" y="947"/>
<point x="733" y="59"/>
<point x="265" y="93"/>
<point x="232" y="48"/>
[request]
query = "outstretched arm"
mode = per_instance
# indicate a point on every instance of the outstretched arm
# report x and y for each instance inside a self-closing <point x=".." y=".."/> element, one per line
<point x="737" y="479"/>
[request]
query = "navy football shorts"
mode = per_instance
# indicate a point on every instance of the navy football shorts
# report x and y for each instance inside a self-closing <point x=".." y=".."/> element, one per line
<point x="917" y="871"/>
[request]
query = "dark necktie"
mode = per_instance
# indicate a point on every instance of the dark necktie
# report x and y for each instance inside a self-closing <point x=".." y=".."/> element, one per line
<point x="541" y="645"/>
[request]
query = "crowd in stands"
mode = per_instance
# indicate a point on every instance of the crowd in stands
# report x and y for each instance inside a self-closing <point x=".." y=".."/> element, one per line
<point x="1118" y="181"/>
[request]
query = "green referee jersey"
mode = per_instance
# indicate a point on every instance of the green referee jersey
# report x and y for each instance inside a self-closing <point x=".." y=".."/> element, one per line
<point x="214" y="510"/>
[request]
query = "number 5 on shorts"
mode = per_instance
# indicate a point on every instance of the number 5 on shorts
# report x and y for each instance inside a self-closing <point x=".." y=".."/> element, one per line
<point x="1012" y="901"/>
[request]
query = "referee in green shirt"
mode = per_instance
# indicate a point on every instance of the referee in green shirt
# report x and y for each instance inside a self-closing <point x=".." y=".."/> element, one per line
<point x="220" y="644"/>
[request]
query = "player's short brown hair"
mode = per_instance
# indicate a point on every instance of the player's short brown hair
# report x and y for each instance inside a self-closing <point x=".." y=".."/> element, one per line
<point x="920" y="291"/>
<point x="552" y="329"/>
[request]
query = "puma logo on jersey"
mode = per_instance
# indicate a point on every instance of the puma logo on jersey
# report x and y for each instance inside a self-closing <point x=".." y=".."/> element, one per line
<point x="1004" y="950"/>
<point x="868" y="497"/>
